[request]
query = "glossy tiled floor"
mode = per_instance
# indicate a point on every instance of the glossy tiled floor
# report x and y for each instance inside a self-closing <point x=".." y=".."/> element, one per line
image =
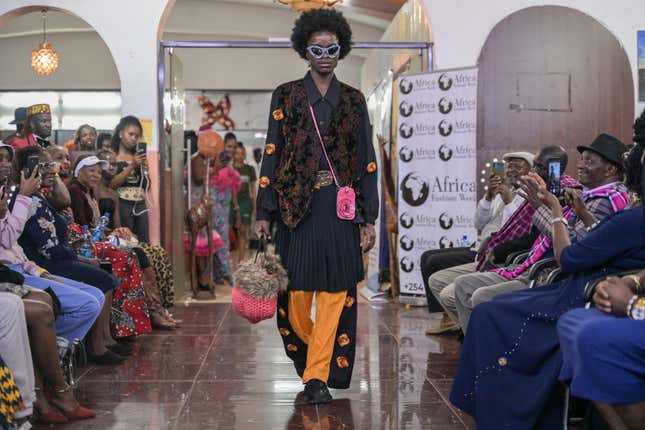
<point x="220" y="372"/>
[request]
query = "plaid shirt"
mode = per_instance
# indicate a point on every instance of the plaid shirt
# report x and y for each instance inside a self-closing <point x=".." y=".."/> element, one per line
<point x="616" y="197"/>
<point x="519" y="223"/>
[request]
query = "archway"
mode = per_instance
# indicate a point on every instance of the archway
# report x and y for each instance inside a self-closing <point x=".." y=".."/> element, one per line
<point x="86" y="88"/>
<point x="551" y="75"/>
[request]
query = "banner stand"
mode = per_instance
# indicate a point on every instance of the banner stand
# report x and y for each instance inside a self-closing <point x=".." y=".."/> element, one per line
<point x="437" y="138"/>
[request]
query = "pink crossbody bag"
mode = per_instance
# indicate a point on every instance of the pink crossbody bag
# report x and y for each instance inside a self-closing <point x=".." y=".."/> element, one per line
<point x="346" y="197"/>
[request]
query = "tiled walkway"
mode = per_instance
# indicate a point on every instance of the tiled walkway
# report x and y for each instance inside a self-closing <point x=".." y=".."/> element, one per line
<point x="220" y="372"/>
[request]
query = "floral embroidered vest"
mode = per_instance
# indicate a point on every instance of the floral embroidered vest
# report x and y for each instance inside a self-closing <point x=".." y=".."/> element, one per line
<point x="295" y="176"/>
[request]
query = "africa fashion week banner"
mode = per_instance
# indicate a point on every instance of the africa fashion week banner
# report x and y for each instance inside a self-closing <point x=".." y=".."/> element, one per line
<point x="436" y="134"/>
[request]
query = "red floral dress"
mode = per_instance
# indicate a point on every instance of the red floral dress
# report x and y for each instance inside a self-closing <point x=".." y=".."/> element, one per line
<point x="129" y="315"/>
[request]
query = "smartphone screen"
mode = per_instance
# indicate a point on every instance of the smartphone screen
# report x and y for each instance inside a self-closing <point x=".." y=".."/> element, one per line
<point x="553" y="178"/>
<point x="498" y="168"/>
<point x="32" y="163"/>
<point x="142" y="147"/>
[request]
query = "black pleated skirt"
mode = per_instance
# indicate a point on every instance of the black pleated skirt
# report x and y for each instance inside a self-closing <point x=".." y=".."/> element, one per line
<point x="323" y="252"/>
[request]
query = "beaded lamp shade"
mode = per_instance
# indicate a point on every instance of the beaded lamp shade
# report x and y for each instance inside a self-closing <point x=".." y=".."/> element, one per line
<point x="44" y="59"/>
<point x="303" y="5"/>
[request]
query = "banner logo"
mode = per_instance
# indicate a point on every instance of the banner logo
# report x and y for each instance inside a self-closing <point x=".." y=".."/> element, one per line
<point x="406" y="154"/>
<point x="407" y="265"/>
<point x="445" y="106"/>
<point x="444" y="243"/>
<point x="406" y="220"/>
<point x="405" y="86"/>
<point x="445" y="128"/>
<point x="406" y="109"/>
<point x="406" y="130"/>
<point x="406" y="243"/>
<point x="445" y="221"/>
<point x="445" y="153"/>
<point x="415" y="189"/>
<point x="445" y="82"/>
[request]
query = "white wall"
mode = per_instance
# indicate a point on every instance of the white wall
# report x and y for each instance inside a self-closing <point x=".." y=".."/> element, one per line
<point x="460" y="27"/>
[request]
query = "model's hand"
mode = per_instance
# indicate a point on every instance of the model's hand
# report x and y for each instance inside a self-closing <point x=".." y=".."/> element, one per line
<point x="368" y="237"/>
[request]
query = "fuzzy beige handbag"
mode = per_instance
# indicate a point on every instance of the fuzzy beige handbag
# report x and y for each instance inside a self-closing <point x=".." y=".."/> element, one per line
<point x="258" y="281"/>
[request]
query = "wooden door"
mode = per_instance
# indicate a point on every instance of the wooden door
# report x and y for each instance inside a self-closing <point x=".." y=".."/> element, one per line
<point x="551" y="75"/>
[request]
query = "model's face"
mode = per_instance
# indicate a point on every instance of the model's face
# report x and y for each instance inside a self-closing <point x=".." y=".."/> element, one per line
<point x="130" y="137"/>
<point x="87" y="138"/>
<point x="61" y="156"/>
<point x="42" y="125"/>
<point x="324" y="65"/>
<point x="90" y="176"/>
<point x="5" y="163"/>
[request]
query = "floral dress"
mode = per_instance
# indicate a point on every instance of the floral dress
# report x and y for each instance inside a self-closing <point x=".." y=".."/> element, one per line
<point x="223" y="186"/>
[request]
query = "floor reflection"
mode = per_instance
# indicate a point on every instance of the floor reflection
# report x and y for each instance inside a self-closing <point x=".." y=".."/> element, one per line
<point x="220" y="372"/>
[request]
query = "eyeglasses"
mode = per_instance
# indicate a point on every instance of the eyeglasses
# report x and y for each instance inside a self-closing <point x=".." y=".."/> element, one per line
<point x="51" y="166"/>
<point x="318" y="52"/>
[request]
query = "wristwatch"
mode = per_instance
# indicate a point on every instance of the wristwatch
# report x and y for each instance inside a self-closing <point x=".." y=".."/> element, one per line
<point x="636" y="308"/>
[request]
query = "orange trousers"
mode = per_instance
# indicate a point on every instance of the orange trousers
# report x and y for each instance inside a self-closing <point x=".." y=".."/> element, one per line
<point x="319" y="335"/>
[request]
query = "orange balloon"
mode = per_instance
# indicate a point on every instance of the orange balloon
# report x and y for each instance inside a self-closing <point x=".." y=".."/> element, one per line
<point x="210" y="143"/>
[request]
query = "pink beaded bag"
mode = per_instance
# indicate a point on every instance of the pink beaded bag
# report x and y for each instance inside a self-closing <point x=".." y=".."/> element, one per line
<point x="258" y="281"/>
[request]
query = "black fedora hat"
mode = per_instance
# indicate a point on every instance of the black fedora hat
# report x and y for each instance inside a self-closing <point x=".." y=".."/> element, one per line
<point x="608" y="147"/>
<point x="19" y="116"/>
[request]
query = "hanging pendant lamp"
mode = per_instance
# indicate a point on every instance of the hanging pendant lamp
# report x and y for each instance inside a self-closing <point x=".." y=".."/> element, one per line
<point x="303" y="5"/>
<point x="44" y="60"/>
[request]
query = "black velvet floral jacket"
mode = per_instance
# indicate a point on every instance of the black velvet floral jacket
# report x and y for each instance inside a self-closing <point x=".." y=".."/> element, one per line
<point x="292" y="155"/>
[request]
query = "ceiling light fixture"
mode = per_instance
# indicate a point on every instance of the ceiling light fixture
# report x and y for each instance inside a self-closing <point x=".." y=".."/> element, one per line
<point x="303" y="5"/>
<point x="44" y="60"/>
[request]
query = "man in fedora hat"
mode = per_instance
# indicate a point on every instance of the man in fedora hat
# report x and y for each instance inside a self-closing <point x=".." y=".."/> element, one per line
<point x="600" y="171"/>
<point x="19" y="119"/>
<point x="36" y="130"/>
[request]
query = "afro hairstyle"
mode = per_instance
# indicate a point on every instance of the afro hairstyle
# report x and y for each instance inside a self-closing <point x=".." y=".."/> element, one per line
<point x="315" y="20"/>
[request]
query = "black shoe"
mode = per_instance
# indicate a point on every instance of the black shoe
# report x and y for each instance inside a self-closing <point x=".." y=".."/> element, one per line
<point x="316" y="392"/>
<point x="106" y="359"/>
<point x="120" y="348"/>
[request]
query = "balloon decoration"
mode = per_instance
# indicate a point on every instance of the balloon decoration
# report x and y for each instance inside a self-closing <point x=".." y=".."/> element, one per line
<point x="209" y="143"/>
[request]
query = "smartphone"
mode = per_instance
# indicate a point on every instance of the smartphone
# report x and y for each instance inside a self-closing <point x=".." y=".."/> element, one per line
<point x="553" y="176"/>
<point x="498" y="168"/>
<point x="32" y="163"/>
<point x="142" y="147"/>
<point x="106" y="266"/>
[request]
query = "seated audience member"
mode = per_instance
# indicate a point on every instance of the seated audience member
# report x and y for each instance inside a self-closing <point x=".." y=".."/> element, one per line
<point x="493" y="210"/>
<point x="600" y="171"/>
<point x="36" y="130"/>
<point x="18" y="349"/>
<point x="84" y="139"/>
<point x="134" y="293"/>
<point x="508" y="371"/>
<point x="515" y="234"/>
<point x="45" y="241"/>
<point x="80" y="303"/>
<point x="603" y="350"/>
<point x="104" y="142"/>
<point x="60" y="155"/>
<point x="108" y="199"/>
